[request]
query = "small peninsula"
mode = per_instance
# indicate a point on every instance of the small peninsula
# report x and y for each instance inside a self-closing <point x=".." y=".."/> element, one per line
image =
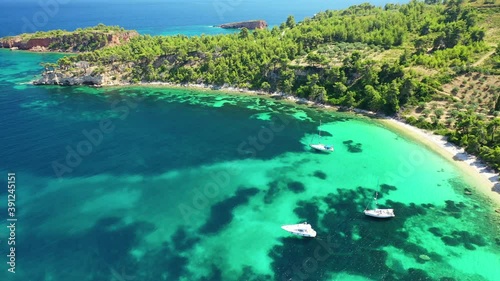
<point x="80" y="40"/>
<point x="250" y="25"/>
<point x="436" y="66"/>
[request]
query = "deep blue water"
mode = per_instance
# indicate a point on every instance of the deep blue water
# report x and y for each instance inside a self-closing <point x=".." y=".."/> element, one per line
<point x="155" y="16"/>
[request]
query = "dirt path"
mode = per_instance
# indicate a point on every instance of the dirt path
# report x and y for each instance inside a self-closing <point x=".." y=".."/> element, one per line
<point x="483" y="58"/>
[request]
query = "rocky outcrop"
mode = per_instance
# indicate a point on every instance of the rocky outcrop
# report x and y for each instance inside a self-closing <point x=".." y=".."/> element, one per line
<point x="64" y="43"/>
<point x="83" y="73"/>
<point x="17" y="42"/>
<point x="253" y="24"/>
<point x="117" y="39"/>
<point x="58" y="78"/>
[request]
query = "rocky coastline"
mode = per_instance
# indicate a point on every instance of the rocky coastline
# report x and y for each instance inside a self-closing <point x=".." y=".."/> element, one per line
<point x="54" y="43"/>
<point x="58" y="78"/>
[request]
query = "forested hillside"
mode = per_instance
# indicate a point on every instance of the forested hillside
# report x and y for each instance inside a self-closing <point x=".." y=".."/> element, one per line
<point x="396" y="59"/>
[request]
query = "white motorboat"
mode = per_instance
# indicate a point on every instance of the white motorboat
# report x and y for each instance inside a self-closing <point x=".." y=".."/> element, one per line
<point x="379" y="213"/>
<point x="301" y="229"/>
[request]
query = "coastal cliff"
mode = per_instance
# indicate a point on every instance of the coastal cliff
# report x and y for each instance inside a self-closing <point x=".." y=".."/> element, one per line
<point x="58" y="78"/>
<point x="80" y="73"/>
<point x="253" y="24"/>
<point x="81" y="40"/>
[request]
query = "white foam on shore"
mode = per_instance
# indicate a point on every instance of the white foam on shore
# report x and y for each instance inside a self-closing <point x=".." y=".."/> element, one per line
<point x="480" y="175"/>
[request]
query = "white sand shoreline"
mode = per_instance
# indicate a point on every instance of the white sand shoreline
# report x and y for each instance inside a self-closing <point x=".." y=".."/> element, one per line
<point x="477" y="173"/>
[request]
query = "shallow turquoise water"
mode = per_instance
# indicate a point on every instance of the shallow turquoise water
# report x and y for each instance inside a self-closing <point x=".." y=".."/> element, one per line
<point x="190" y="185"/>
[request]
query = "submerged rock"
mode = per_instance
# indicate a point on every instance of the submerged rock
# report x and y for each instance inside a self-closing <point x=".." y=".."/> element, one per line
<point x="320" y="175"/>
<point x="469" y="246"/>
<point x="424" y="257"/>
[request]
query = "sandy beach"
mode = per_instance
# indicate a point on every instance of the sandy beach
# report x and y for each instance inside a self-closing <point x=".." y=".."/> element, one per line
<point x="475" y="172"/>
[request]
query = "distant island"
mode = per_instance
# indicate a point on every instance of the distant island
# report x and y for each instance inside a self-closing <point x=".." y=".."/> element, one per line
<point x="251" y="25"/>
<point x="80" y="40"/>
<point x="437" y="66"/>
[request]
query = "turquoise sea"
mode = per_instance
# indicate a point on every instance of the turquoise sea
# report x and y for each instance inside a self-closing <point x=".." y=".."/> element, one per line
<point x="150" y="183"/>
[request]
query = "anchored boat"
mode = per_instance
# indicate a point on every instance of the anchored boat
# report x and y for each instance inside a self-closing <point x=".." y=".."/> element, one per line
<point x="379" y="213"/>
<point x="301" y="229"/>
<point x="321" y="147"/>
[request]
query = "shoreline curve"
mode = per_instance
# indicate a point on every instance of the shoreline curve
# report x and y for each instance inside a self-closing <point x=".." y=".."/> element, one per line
<point x="475" y="172"/>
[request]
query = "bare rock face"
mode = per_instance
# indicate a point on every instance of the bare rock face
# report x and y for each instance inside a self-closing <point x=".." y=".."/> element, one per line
<point x="253" y="24"/>
<point x="57" y="78"/>
<point x="16" y="42"/>
<point x="117" y="39"/>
